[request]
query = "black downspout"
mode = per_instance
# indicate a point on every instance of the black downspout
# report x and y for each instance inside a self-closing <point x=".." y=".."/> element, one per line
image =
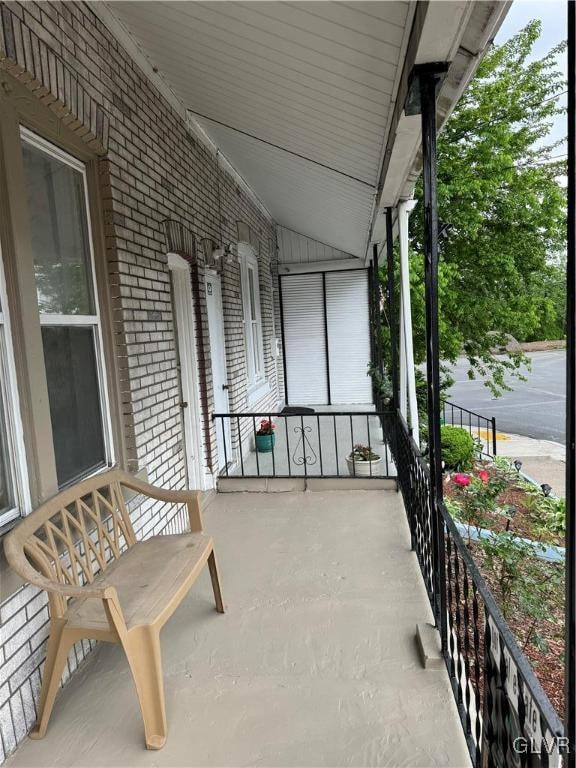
<point x="284" y="367"/>
<point x="375" y="302"/>
<point x="392" y="311"/>
<point x="372" y="329"/>
<point x="326" y="339"/>
<point x="428" y="77"/>
<point x="570" y="650"/>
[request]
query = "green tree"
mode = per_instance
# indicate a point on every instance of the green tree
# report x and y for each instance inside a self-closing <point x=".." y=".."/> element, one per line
<point x="503" y="208"/>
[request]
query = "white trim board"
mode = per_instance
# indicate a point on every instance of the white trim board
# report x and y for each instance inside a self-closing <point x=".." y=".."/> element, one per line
<point x="321" y="266"/>
<point x="186" y="340"/>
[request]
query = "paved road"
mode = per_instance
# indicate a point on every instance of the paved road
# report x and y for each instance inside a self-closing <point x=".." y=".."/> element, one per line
<point x="534" y="408"/>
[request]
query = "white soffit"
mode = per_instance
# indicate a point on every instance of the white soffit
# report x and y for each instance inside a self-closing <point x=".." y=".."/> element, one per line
<point x="295" y="248"/>
<point x="298" y="95"/>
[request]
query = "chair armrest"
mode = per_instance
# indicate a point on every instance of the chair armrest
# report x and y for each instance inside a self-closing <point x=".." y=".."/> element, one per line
<point x="190" y="498"/>
<point x="19" y="563"/>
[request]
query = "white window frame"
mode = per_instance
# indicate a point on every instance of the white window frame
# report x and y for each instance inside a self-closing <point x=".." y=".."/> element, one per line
<point x="88" y="321"/>
<point x="254" y="358"/>
<point x="16" y="458"/>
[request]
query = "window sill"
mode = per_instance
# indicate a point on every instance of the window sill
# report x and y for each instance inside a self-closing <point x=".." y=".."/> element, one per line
<point x="257" y="391"/>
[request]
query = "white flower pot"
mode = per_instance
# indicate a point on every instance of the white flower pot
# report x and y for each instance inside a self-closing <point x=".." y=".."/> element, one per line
<point x="364" y="468"/>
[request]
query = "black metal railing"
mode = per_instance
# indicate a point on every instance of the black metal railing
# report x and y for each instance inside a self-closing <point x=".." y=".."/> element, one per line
<point x="313" y="445"/>
<point x="414" y="482"/>
<point x="481" y="428"/>
<point x="506" y="716"/>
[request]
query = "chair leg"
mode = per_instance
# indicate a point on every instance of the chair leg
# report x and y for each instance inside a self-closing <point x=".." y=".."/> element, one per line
<point x="215" y="582"/>
<point x="59" y="645"/>
<point x="142" y="647"/>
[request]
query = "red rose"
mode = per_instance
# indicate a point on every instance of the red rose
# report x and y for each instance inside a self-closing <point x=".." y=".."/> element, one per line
<point x="461" y="479"/>
<point x="484" y="475"/>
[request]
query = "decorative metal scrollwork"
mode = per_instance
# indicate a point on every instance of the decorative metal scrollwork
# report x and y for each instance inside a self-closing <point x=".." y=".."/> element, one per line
<point x="304" y="454"/>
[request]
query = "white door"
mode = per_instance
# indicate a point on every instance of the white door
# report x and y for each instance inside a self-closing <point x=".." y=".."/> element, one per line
<point x="187" y="368"/>
<point x="218" y="359"/>
<point x="326" y="328"/>
<point x="347" y="316"/>
<point x="304" y="339"/>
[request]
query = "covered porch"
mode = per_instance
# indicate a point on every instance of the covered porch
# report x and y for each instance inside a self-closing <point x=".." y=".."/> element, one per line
<point x="314" y="663"/>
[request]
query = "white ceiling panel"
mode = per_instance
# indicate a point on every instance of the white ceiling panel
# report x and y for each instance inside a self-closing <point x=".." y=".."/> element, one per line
<point x="297" y="95"/>
<point x="326" y="206"/>
<point x="294" y="248"/>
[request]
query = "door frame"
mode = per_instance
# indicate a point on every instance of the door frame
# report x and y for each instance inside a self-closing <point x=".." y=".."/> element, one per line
<point x="213" y="274"/>
<point x="185" y="338"/>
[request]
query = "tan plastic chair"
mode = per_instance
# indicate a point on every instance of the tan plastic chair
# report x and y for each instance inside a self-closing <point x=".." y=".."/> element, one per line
<point x="104" y="585"/>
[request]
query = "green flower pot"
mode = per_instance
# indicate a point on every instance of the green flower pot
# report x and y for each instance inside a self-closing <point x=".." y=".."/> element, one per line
<point x="265" y="443"/>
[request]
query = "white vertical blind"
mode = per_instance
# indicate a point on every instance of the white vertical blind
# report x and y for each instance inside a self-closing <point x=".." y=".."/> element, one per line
<point x="348" y="352"/>
<point x="347" y="312"/>
<point x="304" y="339"/>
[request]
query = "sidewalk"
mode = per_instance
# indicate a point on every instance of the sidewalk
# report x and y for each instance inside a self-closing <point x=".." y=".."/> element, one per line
<point x="543" y="460"/>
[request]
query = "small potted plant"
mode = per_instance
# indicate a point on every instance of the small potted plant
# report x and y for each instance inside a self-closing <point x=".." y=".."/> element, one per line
<point x="363" y="462"/>
<point x="265" y="437"/>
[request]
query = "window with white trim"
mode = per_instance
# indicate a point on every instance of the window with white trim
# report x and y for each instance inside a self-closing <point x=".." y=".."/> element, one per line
<point x="252" y="314"/>
<point x="69" y="317"/>
<point x="14" y="495"/>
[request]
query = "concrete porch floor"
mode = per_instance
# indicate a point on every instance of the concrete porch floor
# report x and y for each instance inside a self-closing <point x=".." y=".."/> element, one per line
<point x="314" y="664"/>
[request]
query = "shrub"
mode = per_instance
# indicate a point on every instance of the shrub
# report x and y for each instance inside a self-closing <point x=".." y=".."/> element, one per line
<point x="457" y="447"/>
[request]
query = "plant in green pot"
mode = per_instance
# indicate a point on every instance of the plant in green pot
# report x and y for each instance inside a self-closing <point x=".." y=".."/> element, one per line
<point x="265" y="437"/>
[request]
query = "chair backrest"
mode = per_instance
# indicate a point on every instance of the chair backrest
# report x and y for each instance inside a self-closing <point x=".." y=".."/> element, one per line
<point x="77" y="533"/>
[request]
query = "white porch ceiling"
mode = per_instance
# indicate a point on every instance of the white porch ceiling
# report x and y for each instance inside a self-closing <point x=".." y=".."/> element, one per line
<point x="298" y="96"/>
<point x="304" y="99"/>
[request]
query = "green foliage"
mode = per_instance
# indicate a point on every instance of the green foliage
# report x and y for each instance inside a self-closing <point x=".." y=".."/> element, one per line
<point x="524" y="583"/>
<point x="547" y="513"/>
<point x="381" y="382"/>
<point x="363" y="453"/>
<point x="518" y="572"/>
<point x="505" y="468"/>
<point x="455" y="509"/>
<point x="446" y="381"/>
<point x="498" y="192"/>
<point x="457" y="447"/>
<point x="477" y="501"/>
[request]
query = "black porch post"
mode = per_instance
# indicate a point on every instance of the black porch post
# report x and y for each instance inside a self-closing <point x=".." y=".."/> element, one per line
<point x="428" y="77"/>
<point x="570" y="715"/>
<point x="372" y="321"/>
<point x="392" y="311"/>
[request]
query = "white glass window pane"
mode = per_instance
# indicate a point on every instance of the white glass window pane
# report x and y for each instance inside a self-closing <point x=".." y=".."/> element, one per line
<point x="75" y="411"/>
<point x="256" y="345"/>
<point x="59" y="231"/>
<point x="252" y="299"/>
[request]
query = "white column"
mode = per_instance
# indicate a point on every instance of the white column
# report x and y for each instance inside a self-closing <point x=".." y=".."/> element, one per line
<point x="406" y="340"/>
<point x="403" y="380"/>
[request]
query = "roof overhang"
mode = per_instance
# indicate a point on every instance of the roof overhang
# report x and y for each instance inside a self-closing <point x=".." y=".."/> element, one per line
<point x="477" y="29"/>
<point x="304" y="100"/>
